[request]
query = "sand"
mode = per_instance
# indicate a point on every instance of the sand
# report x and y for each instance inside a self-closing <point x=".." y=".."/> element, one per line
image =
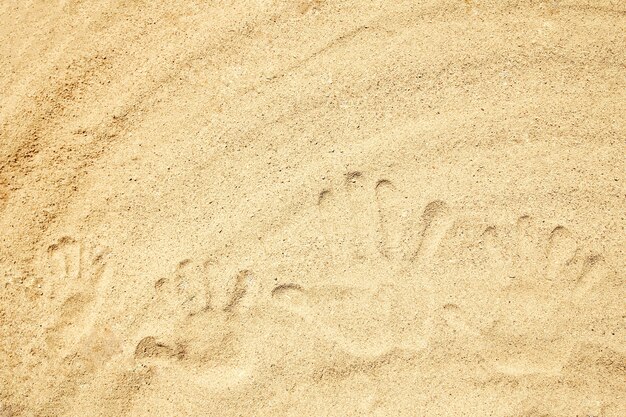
<point x="312" y="208"/>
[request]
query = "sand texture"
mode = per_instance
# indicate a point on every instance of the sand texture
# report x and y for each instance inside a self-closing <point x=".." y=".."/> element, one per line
<point x="312" y="208"/>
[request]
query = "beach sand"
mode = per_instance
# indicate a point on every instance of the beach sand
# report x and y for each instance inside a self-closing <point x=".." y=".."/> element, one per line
<point x="312" y="208"/>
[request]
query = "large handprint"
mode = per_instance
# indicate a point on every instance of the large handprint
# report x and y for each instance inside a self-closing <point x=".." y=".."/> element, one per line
<point x="377" y="296"/>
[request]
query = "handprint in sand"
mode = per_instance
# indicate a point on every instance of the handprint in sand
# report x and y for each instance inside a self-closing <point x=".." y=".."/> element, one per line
<point x="206" y="312"/>
<point x="546" y="292"/>
<point x="375" y="294"/>
<point x="73" y="291"/>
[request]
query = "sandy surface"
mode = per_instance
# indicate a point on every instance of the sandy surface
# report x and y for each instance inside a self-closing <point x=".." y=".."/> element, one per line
<point x="312" y="208"/>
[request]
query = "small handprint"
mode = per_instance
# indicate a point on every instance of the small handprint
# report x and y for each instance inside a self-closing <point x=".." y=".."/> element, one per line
<point x="207" y="311"/>
<point x="77" y="269"/>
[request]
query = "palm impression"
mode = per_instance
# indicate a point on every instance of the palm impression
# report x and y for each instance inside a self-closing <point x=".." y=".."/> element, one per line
<point x="549" y="289"/>
<point x="207" y="314"/>
<point x="376" y="294"/>
<point x="73" y="292"/>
